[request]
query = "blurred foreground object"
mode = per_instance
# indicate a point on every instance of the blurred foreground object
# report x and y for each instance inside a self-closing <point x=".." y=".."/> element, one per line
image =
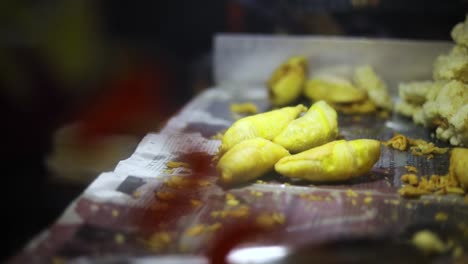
<point x="79" y="162"/>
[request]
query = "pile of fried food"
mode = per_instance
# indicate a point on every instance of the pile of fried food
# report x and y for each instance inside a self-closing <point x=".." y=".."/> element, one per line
<point x="302" y="143"/>
<point x="349" y="90"/>
<point x="295" y="145"/>
<point x="442" y="104"/>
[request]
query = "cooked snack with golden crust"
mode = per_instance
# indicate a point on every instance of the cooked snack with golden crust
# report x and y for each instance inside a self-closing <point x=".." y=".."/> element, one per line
<point x="318" y="126"/>
<point x="249" y="160"/>
<point x="335" y="161"/>
<point x="287" y="81"/>
<point x="265" y="125"/>
<point x="333" y="89"/>
<point x="367" y="79"/>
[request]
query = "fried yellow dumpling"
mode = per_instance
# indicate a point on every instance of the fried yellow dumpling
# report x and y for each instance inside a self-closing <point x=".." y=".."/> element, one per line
<point x="265" y="125"/>
<point x="335" y="161"/>
<point x="287" y="81"/>
<point x="367" y="79"/>
<point x="317" y="127"/>
<point x="333" y="89"/>
<point x="249" y="160"/>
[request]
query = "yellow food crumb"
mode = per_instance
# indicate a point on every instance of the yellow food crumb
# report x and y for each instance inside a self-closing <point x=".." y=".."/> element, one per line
<point x="351" y="193"/>
<point x="238" y="212"/>
<point x="168" y="171"/>
<point x="441" y="217"/>
<point x="196" y="203"/>
<point x="158" y="241"/>
<point x="392" y="201"/>
<point x="231" y="200"/>
<point x="436" y="184"/>
<point x="58" y="260"/>
<point x="353" y="202"/>
<point x="428" y="242"/>
<point x="214" y="227"/>
<point x="418" y="147"/>
<point x="267" y="220"/>
<point x="411" y="191"/>
<point x="136" y="194"/>
<point x="409" y="206"/>
<point x="160" y="206"/>
<point x="195" y="230"/>
<point x="310" y="197"/>
<point x="119" y="238"/>
<point x="368" y="200"/>
<point x="412" y="169"/>
<point x="245" y="108"/>
<point x="399" y="142"/>
<point x="260" y="182"/>
<point x="204" y="183"/>
<point x="178" y="182"/>
<point x="410" y="178"/>
<point x="256" y="193"/>
<point x="115" y="213"/>
<point x="165" y="195"/>
<point x="177" y="164"/>
<point x="421" y="147"/>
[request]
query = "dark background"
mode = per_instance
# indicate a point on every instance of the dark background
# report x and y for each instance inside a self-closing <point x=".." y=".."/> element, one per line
<point x="123" y="67"/>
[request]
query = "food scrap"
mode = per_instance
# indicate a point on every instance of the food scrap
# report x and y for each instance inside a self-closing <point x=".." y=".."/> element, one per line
<point x="428" y="242"/>
<point x="351" y="193"/>
<point x="256" y="193"/>
<point x="202" y="229"/>
<point x="398" y="142"/>
<point x="270" y="220"/>
<point x="418" y="147"/>
<point x="158" y="241"/>
<point x="411" y="179"/>
<point x="441" y="217"/>
<point x="312" y="197"/>
<point x="177" y="164"/>
<point x="179" y="182"/>
<point x="236" y="212"/>
<point x="412" y="169"/>
<point x="196" y="203"/>
<point x="245" y="108"/>
<point x="231" y="200"/>
<point x="436" y="184"/>
<point x="368" y="200"/>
